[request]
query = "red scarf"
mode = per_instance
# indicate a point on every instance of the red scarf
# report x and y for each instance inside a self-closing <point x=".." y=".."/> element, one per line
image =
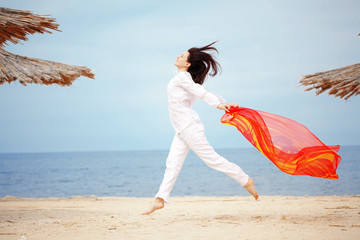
<point x="288" y="144"/>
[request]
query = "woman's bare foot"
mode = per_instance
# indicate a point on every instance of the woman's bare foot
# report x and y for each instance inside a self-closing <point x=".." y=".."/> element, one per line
<point x="158" y="204"/>
<point x="249" y="186"/>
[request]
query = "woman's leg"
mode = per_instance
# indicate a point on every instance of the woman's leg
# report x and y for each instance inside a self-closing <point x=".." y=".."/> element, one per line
<point x="178" y="152"/>
<point x="174" y="162"/>
<point x="194" y="136"/>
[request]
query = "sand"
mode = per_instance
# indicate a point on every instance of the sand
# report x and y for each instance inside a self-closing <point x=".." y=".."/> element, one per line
<point x="220" y="218"/>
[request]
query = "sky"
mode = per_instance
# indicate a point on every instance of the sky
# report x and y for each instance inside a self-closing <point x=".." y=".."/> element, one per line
<point x="265" y="47"/>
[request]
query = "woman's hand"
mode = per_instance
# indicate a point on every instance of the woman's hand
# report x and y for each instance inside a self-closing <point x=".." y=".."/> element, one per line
<point x="226" y="106"/>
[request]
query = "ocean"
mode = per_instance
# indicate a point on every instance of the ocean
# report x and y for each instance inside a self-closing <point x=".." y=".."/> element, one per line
<point x="139" y="174"/>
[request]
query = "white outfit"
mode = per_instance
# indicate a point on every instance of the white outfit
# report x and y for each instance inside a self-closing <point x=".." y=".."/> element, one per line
<point x="190" y="133"/>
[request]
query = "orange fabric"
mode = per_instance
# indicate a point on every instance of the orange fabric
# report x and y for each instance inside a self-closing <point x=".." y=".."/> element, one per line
<point x="288" y="144"/>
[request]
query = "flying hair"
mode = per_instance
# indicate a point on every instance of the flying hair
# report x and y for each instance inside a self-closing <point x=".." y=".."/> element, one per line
<point x="202" y="62"/>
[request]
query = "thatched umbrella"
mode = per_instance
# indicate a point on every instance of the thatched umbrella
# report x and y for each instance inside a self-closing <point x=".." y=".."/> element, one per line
<point x="14" y="26"/>
<point x="342" y="82"/>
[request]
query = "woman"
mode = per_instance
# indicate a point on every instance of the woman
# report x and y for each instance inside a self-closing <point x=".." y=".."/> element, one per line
<point x="193" y="66"/>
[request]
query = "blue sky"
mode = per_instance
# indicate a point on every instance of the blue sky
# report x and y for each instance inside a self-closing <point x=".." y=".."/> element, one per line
<point x="265" y="47"/>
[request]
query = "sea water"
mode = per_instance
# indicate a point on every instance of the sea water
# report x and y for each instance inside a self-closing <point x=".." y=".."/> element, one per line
<point x="139" y="174"/>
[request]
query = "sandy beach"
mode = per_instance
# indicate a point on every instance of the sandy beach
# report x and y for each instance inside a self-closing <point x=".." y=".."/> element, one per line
<point x="272" y="217"/>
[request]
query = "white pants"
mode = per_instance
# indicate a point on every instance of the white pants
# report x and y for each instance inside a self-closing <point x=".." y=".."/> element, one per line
<point x="193" y="137"/>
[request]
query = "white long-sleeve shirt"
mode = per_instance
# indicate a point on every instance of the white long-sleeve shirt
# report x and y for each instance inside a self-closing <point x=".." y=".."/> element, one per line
<point x="182" y="92"/>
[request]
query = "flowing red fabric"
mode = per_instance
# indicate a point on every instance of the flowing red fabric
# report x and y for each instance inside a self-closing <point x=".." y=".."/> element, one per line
<point x="288" y="144"/>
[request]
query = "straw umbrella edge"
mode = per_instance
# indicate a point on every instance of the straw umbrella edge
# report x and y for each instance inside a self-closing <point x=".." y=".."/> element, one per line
<point x="342" y="82"/>
<point x="31" y="70"/>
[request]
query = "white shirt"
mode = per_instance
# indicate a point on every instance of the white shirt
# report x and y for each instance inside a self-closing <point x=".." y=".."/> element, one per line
<point x="182" y="92"/>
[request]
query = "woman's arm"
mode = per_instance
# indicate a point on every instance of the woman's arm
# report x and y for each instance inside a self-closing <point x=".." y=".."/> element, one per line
<point x="186" y="82"/>
<point x="199" y="91"/>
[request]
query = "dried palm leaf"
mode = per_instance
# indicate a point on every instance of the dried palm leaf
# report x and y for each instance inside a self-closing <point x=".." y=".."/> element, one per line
<point x="16" y="24"/>
<point x="31" y="70"/>
<point x="342" y="82"/>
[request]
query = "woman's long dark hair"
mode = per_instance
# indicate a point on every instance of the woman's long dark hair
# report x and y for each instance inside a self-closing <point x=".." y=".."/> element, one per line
<point x="201" y="63"/>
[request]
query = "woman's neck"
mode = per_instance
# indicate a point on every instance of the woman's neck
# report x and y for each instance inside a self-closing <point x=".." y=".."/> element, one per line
<point x="182" y="69"/>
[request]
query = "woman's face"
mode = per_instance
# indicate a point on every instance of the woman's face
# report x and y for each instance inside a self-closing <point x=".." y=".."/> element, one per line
<point x="182" y="61"/>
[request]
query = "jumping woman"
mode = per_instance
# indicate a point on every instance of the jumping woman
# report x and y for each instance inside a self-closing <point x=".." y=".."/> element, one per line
<point x="193" y="66"/>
